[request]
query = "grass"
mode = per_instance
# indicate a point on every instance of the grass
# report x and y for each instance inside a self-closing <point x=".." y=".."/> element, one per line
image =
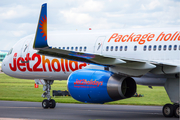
<point x="13" y="89"/>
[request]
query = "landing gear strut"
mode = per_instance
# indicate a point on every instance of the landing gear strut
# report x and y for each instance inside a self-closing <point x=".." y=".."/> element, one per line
<point x="48" y="103"/>
<point x="170" y="110"/>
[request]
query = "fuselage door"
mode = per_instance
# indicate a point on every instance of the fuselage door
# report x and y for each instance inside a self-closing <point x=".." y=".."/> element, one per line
<point x="25" y="49"/>
<point x="99" y="44"/>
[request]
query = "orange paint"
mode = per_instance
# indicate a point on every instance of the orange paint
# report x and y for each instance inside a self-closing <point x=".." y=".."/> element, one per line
<point x="113" y="36"/>
<point x="118" y="38"/>
<point x="73" y="65"/>
<point x="66" y="65"/>
<point x="124" y="40"/>
<point x="167" y="36"/>
<point x="44" y="62"/>
<point x="173" y="35"/>
<point x="150" y="37"/>
<point x="176" y="36"/>
<point x="62" y="65"/>
<point x="143" y="38"/>
<point x="130" y="38"/>
<point x="160" y="36"/>
<point x="137" y="38"/>
<point x="43" y="27"/>
<point x="56" y="61"/>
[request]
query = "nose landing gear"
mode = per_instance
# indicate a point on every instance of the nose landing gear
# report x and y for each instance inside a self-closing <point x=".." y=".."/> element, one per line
<point x="48" y="103"/>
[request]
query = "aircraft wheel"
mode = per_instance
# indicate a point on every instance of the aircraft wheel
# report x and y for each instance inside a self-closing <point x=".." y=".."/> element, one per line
<point x="176" y="110"/>
<point x="168" y="110"/>
<point x="52" y="103"/>
<point x="45" y="104"/>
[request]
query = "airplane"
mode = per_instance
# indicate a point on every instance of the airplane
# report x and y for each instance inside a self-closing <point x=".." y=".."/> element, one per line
<point x="99" y="66"/>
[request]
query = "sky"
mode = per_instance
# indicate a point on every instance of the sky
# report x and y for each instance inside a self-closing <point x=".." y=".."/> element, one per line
<point x="19" y="18"/>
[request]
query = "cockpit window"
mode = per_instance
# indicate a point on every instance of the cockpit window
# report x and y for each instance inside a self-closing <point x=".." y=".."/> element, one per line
<point x="10" y="51"/>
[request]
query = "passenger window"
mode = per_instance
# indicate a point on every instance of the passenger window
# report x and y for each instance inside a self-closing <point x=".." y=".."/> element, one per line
<point x="159" y="48"/>
<point x="179" y="47"/>
<point x="170" y="47"/>
<point x="135" y="48"/>
<point x="85" y="49"/>
<point x="63" y="48"/>
<point x="125" y="48"/>
<point x="111" y="48"/>
<point x="80" y="49"/>
<point x="149" y="47"/>
<point x="121" y="47"/>
<point x="76" y="49"/>
<point x="164" y="47"/>
<point x="145" y="48"/>
<point x="67" y="48"/>
<point x="107" y="48"/>
<point x="116" y="48"/>
<point x="59" y="47"/>
<point x="175" y="47"/>
<point x="72" y="48"/>
<point x="154" y="48"/>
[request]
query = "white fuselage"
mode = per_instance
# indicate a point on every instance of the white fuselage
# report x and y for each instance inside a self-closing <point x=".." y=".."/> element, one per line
<point x="153" y="39"/>
<point x="157" y="46"/>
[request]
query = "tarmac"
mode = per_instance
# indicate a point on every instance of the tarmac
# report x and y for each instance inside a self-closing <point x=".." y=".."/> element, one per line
<point x="33" y="110"/>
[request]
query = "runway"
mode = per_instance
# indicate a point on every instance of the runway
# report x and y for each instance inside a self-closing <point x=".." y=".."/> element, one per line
<point x="33" y="110"/>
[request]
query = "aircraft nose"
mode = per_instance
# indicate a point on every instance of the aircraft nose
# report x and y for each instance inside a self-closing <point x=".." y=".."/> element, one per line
<point x="3" y="65"/>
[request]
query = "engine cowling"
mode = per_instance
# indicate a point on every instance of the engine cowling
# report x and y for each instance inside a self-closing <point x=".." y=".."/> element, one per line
<point x="99" y="86"/>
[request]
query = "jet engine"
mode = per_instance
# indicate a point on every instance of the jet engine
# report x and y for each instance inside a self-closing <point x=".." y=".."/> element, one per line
<point x="99" y="86"/>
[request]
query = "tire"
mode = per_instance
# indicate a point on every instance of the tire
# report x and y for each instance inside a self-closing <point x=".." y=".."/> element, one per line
<point x="176" y="111"/>
<point x="45" y="104"/>
<point x="168" y="110"/>
<point x="52" y="103"/>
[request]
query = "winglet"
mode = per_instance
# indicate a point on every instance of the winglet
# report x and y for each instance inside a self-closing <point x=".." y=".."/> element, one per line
<point x="40" y="40"/>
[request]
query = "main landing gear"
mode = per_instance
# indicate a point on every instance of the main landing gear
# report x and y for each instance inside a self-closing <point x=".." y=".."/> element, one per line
<point x="170" y="110"/>
<point x="48" y="103"/>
